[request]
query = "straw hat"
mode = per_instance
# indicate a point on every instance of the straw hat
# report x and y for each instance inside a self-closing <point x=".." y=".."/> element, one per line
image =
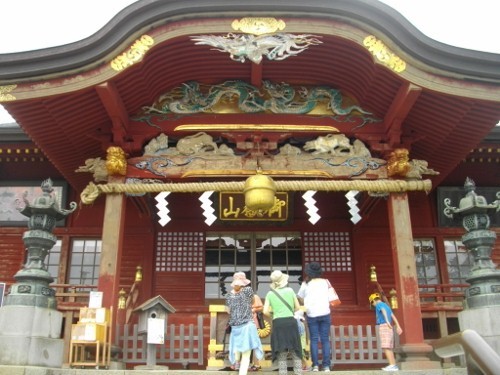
<point x="278" y="279"/>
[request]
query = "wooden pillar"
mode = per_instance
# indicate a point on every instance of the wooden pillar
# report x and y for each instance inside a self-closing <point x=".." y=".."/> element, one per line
<point x="415" y="352"/>
<point x="112" y="242"/>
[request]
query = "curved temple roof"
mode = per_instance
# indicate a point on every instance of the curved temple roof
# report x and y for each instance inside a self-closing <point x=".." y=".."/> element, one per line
<point x="74" y="102"/>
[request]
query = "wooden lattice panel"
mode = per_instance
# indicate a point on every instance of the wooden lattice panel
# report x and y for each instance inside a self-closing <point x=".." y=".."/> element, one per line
<point x="180" y="252"/>
<point x="332" y="249"/>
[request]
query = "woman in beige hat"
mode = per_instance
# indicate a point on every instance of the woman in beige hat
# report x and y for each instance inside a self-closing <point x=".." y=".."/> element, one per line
<point x="244" y="337"/>
<point x="281" y="304"/>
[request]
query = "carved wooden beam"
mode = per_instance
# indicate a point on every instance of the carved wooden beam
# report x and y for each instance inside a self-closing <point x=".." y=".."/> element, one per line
<point x="401" y="105"/>
<point x="115" y="108"/>
<point x="390" y="138"/>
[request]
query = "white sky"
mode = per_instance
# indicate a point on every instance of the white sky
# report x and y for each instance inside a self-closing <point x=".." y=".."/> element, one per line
<point x="34" y="24"/>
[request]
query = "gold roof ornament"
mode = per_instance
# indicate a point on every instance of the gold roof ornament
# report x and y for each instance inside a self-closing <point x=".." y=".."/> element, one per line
<point x="5" y="95"/>
<point x="383" y="54"/>
<point x="258" y="25"/>
<point x="133" y="54"/>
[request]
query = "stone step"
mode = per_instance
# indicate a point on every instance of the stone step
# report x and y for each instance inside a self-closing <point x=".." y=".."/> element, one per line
<point x="31" y="370"/>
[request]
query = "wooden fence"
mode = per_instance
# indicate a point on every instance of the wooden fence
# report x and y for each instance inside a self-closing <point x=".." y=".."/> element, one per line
<point x="350" y="344"/>
<point x="183" y="345"/>
<point x="357" y="344"/>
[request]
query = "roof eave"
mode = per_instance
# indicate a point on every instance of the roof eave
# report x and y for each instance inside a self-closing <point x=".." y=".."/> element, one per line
<point x="140" y="15"/>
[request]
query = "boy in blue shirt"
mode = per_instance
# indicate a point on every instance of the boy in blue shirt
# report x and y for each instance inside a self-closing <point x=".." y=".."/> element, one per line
<point x="384" y="319"/>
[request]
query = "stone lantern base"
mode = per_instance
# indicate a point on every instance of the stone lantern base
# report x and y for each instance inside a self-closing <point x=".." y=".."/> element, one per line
<point x="485" y="322"/>
<point x="30" y="336"/>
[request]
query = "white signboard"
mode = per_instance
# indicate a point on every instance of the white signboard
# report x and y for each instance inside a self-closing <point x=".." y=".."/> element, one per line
<point x="156" y="331"/>
<point x="95" y="300"/>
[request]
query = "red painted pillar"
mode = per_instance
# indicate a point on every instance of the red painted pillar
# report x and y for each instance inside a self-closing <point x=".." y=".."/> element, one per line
<point x="112" y="243"/>
<point x="415" y="352"/>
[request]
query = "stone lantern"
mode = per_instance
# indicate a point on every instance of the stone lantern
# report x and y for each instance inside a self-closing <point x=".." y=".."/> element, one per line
<point x="30" y="325"/>
<point x="482" y="298"/>
<point x="32" y="287"/>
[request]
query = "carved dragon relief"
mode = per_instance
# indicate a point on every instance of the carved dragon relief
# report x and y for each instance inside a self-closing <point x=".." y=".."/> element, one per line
<point x="240" y="97"/>
<point x="276" y="46"/>
<point x="332" y="156"/>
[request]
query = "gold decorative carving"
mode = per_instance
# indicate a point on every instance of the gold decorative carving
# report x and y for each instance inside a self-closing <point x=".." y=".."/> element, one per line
<point x="383" y="54"/>
<point x="116" y="161"/>
<point x="280" y="173"/>
<point x="5" y="95"/>
<point x="198" y="155"/>
<point x="134" y="54"/>
<point x="258" y="25"/>
<point x="398" y="163"/>
<point x="258" y="127"/>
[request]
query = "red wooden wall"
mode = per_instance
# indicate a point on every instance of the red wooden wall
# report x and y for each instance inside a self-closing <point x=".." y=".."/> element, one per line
<point x="370" y="238"/>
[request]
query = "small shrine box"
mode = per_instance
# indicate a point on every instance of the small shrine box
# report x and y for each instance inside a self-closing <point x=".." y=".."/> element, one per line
<point x="154" y="308"/>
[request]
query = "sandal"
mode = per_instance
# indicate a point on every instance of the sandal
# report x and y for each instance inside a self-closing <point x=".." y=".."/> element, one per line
<point x="254" y="368"/>
<point x="235" y="367"/>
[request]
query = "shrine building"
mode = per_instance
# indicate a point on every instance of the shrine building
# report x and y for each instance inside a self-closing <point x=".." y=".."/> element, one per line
<point x="172" y="124"/>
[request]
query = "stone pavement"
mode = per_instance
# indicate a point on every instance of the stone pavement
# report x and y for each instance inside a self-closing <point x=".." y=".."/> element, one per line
<point x="29" y="370"/>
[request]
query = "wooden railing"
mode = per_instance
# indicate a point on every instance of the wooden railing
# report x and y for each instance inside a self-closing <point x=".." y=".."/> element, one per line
<point x="69" y="295"/>
<point x="442" y="297"/>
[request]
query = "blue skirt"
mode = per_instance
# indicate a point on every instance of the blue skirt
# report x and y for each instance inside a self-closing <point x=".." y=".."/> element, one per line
<point x="243" y="338"/>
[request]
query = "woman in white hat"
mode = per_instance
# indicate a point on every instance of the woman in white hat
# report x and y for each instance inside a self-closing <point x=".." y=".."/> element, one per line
<point x="244" y="337"/>
<point x="281" y="304"/>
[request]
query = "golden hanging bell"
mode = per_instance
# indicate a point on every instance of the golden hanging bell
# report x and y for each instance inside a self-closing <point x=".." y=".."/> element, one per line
<point x="138" y="274"/>
<point x="394" y="299"/>
<point x="259" y="192"/>
<point x="373" y="274"/>
<point x="122" y="299"/>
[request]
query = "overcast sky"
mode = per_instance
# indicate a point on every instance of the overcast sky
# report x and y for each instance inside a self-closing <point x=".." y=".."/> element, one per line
<point x="35" y="24"/>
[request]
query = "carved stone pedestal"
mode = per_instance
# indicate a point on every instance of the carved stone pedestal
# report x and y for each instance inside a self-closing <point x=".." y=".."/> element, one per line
<point x="484" y="321"/>
<point x="30" y="336"/>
